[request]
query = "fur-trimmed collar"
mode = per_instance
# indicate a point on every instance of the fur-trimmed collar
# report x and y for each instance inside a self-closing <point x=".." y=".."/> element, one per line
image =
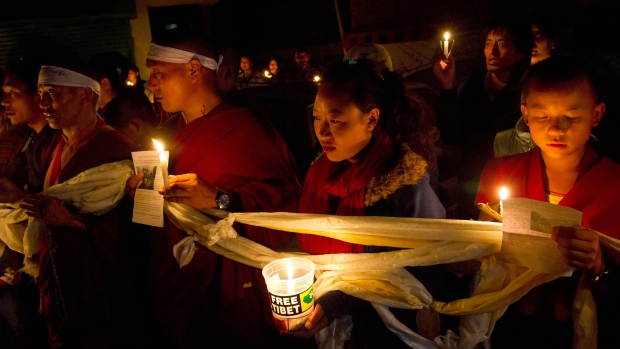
<point x="410" y="168"/>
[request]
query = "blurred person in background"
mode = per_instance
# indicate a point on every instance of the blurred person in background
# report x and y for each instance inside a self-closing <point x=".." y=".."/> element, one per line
<point x="545" y="37"/>
<point x="303" y="71"/>
<point x="248" y="77"/>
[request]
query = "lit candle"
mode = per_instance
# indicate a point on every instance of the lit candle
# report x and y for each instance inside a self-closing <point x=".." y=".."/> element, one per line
<point x="446" y="44"/>
<point x="503" y="195"/>
<point x="129" y="83"/>
<point x="289" y="282"/>
<point x="163" y="161"/>
<point x="317" y="78"/>
<point x="267" y="75"/>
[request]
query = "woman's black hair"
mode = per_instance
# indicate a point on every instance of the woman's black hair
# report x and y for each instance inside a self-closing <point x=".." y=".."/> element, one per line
<point x="400" y="117"/>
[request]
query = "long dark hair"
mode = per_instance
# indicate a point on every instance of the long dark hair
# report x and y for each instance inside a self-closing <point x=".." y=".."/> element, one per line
<point x="400" y="117"/>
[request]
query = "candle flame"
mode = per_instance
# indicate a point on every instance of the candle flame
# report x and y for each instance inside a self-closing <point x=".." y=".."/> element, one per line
<point x="267" y="74"/>
<point x="129" y="83"/>
<point x="317" y="78"/>
<point x="503" y="193"/>
<point x="158" y="146"/>
<point x="446" y="36"/>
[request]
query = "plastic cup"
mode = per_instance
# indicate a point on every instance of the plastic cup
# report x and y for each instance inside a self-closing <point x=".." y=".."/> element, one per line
<point x="290" y="282"/>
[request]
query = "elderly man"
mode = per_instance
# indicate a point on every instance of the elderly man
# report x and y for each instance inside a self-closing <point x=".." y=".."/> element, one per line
<point x="83" y="273"/>
<point x="223" y="157"/>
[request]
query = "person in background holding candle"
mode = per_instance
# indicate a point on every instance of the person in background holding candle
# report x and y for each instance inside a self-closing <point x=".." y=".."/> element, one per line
<point x="303" y="71"/>
<point x="562" y="101"/>
<point x="276" y="70"/>
<point x="487" y="102"/>
<point x="220" y="156"/>
<point x="376" y="152"/>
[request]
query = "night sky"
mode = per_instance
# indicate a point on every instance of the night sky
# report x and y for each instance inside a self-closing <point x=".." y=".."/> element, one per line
<point x="274" y="24"/>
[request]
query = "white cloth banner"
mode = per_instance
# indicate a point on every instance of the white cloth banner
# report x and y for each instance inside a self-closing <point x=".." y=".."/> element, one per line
<point x="96" y="191"/>
<point x="380" y="279"/>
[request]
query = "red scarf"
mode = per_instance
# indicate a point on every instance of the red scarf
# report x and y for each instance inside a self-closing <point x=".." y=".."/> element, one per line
<point x="328" y="179"/>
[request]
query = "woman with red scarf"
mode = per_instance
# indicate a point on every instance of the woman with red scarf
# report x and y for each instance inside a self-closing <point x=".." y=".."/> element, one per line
<point x="376" y="152"/>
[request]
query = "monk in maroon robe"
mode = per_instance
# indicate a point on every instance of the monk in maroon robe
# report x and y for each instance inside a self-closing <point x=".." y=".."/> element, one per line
<point x="561" y="105"/>
<point x="86" y="278"/>
<point x="221" y="156"/>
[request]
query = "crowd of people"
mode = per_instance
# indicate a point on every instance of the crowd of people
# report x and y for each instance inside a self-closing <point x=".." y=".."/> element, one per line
<point x="98" y="280"/>
<point x="275" y="73"/>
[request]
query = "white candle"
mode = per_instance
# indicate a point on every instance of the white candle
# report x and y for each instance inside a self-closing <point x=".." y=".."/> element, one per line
<point x="503" y="195"/>
<point x="446" y="44"/>
<point x="163" y="162"/>
<point x="289" y="282"/>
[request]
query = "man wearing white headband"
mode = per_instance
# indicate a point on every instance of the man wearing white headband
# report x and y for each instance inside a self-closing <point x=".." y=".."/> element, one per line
<point x="222" y="157"/>
<point x="81" y="263"/>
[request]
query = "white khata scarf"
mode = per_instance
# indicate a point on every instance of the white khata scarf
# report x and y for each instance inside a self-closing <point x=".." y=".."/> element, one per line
<point x="51" y="75"/>
<point x="174" y="55"/>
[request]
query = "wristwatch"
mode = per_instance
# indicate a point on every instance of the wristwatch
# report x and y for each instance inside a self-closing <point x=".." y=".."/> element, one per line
<point x="600" y="278"/>
<point x="222" y="199"/>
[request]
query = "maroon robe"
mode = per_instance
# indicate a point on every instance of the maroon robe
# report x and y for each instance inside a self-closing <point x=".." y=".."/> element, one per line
<point x="229" y="149"/>
<point x="595" y="193"/>
<point x="82" y="286"/>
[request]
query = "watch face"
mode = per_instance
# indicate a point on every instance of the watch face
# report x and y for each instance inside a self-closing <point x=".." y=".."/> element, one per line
<point x="223" y="201"/>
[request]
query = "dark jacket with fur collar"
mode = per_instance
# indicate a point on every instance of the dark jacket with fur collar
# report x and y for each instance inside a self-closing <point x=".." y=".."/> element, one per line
<point x="403" y="191"/>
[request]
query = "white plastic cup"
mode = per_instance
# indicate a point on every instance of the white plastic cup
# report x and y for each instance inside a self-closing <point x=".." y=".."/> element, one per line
<point x="290" y="282"/>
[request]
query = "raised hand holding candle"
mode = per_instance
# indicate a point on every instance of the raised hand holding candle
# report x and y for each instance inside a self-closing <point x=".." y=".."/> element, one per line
<point x="163" y="159"/>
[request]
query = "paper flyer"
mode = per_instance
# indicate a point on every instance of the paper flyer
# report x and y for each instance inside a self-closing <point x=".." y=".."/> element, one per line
<point x="527" y="230"/>
<point x="148" y="207"/>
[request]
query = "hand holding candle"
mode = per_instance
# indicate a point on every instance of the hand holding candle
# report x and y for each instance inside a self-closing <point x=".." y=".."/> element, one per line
<point x="163" y="159"/>
<point x="290" y="282"/>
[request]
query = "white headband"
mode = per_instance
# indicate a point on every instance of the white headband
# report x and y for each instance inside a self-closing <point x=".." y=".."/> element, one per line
<point x="50" y="75"/>
<point x="174" y="55"/>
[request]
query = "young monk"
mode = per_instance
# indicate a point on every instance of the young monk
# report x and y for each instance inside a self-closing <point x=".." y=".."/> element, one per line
<point x="562" y="102"/>
<point x="376" y="153"/>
